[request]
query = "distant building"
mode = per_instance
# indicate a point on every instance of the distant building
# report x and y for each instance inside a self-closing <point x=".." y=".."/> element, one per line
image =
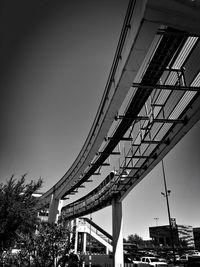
<point x="182" y="235"/>
<point x="185" y="233"/>
<point x="196" y="232"/>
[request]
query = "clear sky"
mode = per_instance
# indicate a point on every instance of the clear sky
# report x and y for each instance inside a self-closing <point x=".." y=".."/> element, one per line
<point x="55" y="61"/>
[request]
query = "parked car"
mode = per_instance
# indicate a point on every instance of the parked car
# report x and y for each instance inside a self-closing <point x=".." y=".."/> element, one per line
<point x="193" y="261"/>
<point x="170" y="258"/>
<point x="153" y="261"/>
<point x="127" y="258"/>
<point x="15" y="250"/>
<point x="162" y="260"/>
<point x="136" y="260"/>
<point x="183" y="259"/>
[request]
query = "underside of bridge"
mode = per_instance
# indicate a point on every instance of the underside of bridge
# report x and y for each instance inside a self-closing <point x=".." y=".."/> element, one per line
<point x="151" y="100"/>
<point x="162" y="107"/>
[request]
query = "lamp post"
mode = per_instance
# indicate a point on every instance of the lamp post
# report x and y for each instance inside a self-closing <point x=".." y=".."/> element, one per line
<point x="166" y="194"/>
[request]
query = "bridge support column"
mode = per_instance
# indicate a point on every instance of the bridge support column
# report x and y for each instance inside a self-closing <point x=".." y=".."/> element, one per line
<point x="84" y="242"/>
<point x="53" y="210"/>
<point x="118" y="255"/>
<point x="76" y="237"/>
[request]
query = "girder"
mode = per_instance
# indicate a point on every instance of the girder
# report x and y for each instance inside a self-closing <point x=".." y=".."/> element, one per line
<point x="164" y="127"/>
<point x="178" y="87"/>
<point x="152" y="75"/>
<point x="113" y="96"/>
<point x="157" y="113"/>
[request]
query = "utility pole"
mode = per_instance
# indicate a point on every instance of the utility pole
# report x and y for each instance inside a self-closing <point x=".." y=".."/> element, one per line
<point x="166" y="194"/>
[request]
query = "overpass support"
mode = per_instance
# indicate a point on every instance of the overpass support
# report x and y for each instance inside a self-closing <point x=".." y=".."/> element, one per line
<point x="53" y="210"/>
<point x="118" y="255"/>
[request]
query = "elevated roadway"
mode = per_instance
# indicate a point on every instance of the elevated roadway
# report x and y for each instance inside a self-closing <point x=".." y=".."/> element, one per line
<point x="153" y="84"/>
<point x="151" y="100"/>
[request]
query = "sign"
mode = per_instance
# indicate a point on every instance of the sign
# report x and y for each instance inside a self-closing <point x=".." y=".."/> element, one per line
<point x="173" y="223"/>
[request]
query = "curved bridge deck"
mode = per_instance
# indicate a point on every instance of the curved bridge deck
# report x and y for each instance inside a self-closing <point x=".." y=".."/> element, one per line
<point x="151" y="100"/>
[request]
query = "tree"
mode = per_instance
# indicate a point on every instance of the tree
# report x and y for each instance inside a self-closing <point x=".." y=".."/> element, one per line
<point x="18" y="209"/>
<point x="48" y="243"/>
<point x="135" y="239"/>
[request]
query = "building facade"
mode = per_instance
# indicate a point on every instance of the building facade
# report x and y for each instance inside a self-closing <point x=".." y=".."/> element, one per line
<point x="196" y="232"/>
<point x="182" y="235"/>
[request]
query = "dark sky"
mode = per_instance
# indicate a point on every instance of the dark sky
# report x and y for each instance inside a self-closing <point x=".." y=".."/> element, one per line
<point x="55" y="58"/>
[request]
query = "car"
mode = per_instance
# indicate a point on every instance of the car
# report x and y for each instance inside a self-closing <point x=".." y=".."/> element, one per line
<point x="193" y="252"/>
<point x="162" y="259"/>
<point x="193" y="260"/>
<point x="15" y="250"/>
<point x="153" y="261"/>
<point x="183" y="259"/>
<point x="127" y="258"/>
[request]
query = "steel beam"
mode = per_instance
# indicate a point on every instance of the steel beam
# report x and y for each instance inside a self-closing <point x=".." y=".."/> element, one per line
<point x="166" y="87"/>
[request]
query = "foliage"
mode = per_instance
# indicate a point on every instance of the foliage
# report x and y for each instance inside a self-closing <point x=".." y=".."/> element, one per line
<point x="42" y="248"/>
<point x="18" y="209"/>
<point x="49" y="243"/>
<point x="17" y="259"/>
<point x="135" y="239"/>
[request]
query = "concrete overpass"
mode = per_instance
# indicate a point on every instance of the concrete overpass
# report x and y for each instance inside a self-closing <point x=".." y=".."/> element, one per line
<point x="151" y="100"/>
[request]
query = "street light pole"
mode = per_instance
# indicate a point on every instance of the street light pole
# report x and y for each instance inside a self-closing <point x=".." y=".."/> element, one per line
<point x="166" y="194"/>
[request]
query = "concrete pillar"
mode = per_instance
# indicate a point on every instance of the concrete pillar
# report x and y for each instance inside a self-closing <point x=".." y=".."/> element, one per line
<point x="76" y="237"/>
<point x="84" y="242"/>
<point x="53" y="210"/>
<point x="118" y="255"/>
<point x="71" y="232"/>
